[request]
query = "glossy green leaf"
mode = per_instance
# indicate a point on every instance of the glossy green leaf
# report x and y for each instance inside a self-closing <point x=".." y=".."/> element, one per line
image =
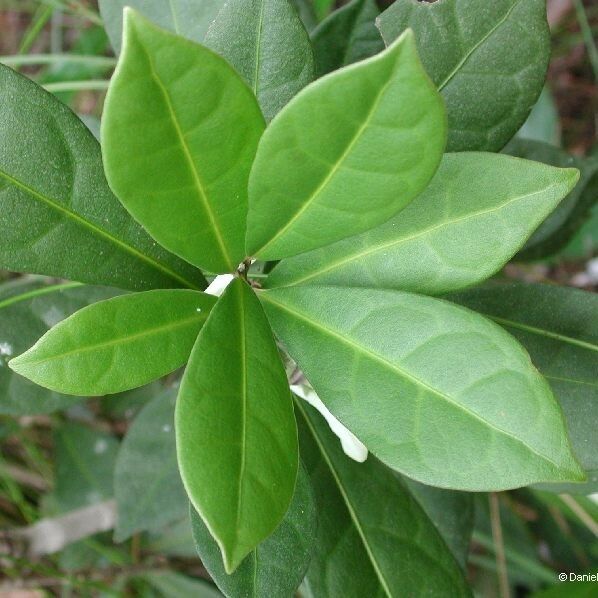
<point x="462" y="229"/>
<point x="147" y="484"/>
<point x="267" y="43"/>
<point x="85" y="461"/>
<point x="58" y="216"/>
<point x="235" y="427"/>
<point x="189" y="18"/>
<point x="559" y="328"/>
<point x="27" y="310"/>
<point x="373" y="537"/>
<point x="348" y="35"/>
<point x="277" y="566"/>
<point x="434" y="390"/>
<point x="565" y="221"/>
<point x="350" y="151"/>
<point x="489" y="60"/>
<point x="117" y="344"/>
<point x="179" y="134"/>
<point x="451" y="512"/>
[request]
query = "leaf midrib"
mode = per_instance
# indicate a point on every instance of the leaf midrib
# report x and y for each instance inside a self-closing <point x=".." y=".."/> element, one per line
<point x="122" y="340"/>
<point x="542" y="332"/>
<point x="348" y="503"/>
<point x="201" y="192"/>
<point x="396" y="368"/>
<point x="78" y="219"/>
<point x="258" y="51"/>
<point x="468" y="54"/>
<point x="243" y="344"/>
<point x="336" y="166"/>
<point x="38" y="293"/>
<point x="175" y="20"/>
<point x="397" y="242"/>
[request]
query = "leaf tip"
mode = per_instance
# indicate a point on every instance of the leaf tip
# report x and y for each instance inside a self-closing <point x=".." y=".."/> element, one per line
<point x="407" y="39"/>
<point x="16" y="363"/>
<point x="233" y="557"/>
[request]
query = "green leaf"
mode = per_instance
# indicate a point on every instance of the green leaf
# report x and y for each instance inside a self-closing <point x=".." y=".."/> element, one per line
<point x="462" y="229"/>
<point x="117" y="344"/>
<point x="348" y="35"/>
<point x="85" y="461"/>
<point x="451" y="512"/>
<point x="189" y="18"/>
<point x="277" y="566"/>
<point x="574" y="210"/>
<point x="147" y="484"/>
<point x="267" y="43"/>
<point x="373" y="537"/>
<point x="351" y="150"/>
<point x="58" y="216"/>
<point x="179" y="133"/>
<point x="489" y="60"/>
<point x="27" y="310"/>
<point x="434" y="390"/>
<point x="239" y="471"/>
<point x="559" y="328"/>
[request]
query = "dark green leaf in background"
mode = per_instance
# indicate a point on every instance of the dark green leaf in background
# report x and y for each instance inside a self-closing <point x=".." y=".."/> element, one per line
<point x="85" y="461"/>
<point x="566" y="220"/>
<point x="179" y="134"/>
<point x="235" y="427"/>
<point x="347" y="153"/>
<point x="348" y="35"/>
<point x="459" y="231"/>
<point x="306" y="11"/>
<point x="373" y="537"/>
<point x="543" y="123"/>
<point x="277" y="566"/>
<point x="268" y="45"/>
<point x="118" y="344"/>
<point x="58" y="217"/>
<point x="171" y="584"/>
<point x="147" y="485"/>
<point x="488" y="58"/>
<point x="451" y="512"/>
<point x="189" y="18"/>
<point x="559" y="328"/>
<point x="436" y="391"/>
<point x="322" y="7"/>
<point x="28" y="308"/>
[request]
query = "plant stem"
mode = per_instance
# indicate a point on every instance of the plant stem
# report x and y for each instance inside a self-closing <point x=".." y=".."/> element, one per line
<point x="586" y="31"/>
<point x="75" y="8"/>
<point x="517" y="559"/>
<point x="42" y="59"/>
<point x="91" y="85"/>
<point x="42" y="16"/>
<point x="581" y="513"/>
<point x="501" y="561"/>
